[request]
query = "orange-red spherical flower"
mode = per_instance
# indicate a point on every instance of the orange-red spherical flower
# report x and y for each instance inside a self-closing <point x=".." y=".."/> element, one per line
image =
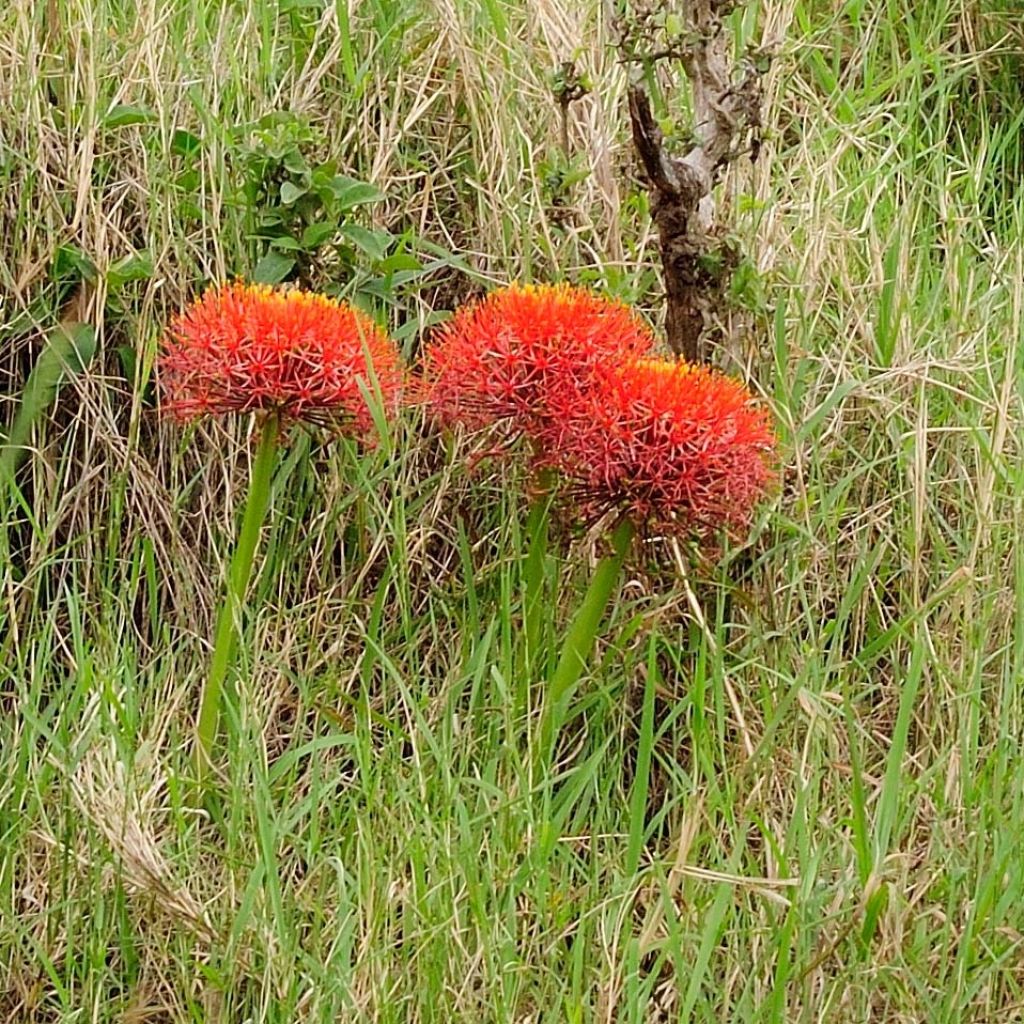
<point x="676" y="447"/>
<point x="503" y="358"/>
<point x="243" y="348"/>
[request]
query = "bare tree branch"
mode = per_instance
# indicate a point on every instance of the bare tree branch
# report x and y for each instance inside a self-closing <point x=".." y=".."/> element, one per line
<point x="725" y="109"/>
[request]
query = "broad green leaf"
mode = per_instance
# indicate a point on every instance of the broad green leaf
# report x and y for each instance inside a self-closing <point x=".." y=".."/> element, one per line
<point x="273" y="268"/>
<point x="348" y="192"/>
<point x="70" y="261"/>
<point x="122" y="114"/>
<point x="316" y="234"/>
<point x="138" y="266"/>
<point x="399" y="261"/>
<point x="68" y="350"/>
<point x="285" y="243"/>
<point x="373" y="243"/>
<point x="184" y="143"/>
<point x="295" y="162"/>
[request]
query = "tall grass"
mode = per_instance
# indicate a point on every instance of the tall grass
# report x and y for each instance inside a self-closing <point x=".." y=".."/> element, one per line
<point x="791" y="787"/>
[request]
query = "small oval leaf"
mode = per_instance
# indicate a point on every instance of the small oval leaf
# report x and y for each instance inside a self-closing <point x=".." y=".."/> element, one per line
<point x="291" y="193"/>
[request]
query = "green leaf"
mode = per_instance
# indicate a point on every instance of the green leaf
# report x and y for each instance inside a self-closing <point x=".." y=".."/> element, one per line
<point x="122" y="114"/>
<point x="837" y="395"/>
<point x="414" y="326"/>
<point x="291" y="193"/>
<point x="68" y="350"/>
<point x="746" y="287"/>
<point x="316" y="234"/>
<point x="348" y="192"/>
<point x="70" y="261"/>
<point x="270" y="218"/>
<point x="873" y="911"/>
<point x="399" y="261"/>
<point x="138" y="266"/>
<point x="273" y="268"/>
<point x="889" y="305"/>
<point x="295" y="163"/>
<point x="188" y="181"/>
<point x="746" y="203"/>
<point x="129" y="360"/>
<point x="286" y="243"/>
<point x="373" y="243"/>
<point x="184" y="143"/>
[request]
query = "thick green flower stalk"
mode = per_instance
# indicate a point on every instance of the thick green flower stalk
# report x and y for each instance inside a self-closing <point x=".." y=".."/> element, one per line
<point x="657" y="446"/>
<point x="672" y="449"/>
<point x="286" y="356"/>
<point x="510" y="363"/>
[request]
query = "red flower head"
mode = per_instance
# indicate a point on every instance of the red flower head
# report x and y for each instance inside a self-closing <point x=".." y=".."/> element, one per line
<point x="242" y="348"/>
<point x="676" y="447"/>
<point x="506" y="357"/>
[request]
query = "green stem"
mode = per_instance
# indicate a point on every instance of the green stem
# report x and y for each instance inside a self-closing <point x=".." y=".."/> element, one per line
<point x="533" y="572"/>
<point x="228" y="618"/>
<point x="579" y="641"/>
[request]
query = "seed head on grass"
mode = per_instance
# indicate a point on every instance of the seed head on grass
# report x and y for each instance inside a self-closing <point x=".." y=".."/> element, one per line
<point x="297" y="354"/>
<point x="676" y="448"/>
<point x="501" y="359"/>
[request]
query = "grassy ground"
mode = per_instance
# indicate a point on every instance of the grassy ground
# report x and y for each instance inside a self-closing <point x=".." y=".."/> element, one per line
<point x="793" y="790"/>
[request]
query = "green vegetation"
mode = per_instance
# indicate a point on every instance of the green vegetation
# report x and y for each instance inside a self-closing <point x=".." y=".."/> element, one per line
<point x="791" y="787"/>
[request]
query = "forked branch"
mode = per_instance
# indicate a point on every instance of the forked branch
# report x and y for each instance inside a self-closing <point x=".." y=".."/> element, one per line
<point x="726" y="109"/>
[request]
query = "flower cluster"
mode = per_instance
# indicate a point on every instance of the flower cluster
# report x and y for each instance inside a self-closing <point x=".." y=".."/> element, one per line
<point x="678" y="448"/>
<point x="675" y="448"/>
<point x="302" y="355"/>
<point x="523" y="348"/>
